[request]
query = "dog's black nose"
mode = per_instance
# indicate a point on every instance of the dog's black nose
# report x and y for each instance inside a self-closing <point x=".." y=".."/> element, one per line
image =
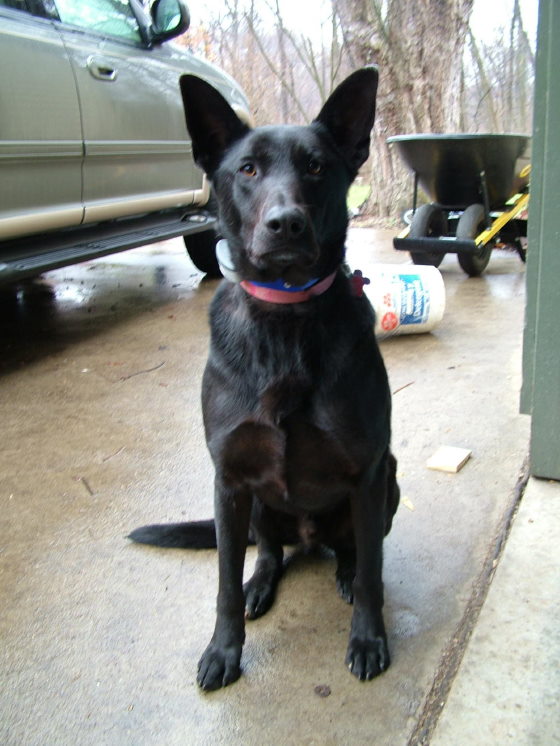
<point x="287" y="223"/>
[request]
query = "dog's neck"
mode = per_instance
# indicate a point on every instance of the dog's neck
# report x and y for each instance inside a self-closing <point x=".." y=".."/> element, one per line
<point x="280" y="292"/>
<point x="272" y="292"/>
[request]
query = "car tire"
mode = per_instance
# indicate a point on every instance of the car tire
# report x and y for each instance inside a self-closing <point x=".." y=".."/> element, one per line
<point x="201" y="248"/>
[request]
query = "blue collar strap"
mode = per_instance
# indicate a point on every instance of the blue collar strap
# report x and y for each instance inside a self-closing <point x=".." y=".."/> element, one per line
<point x="281" y="285"/>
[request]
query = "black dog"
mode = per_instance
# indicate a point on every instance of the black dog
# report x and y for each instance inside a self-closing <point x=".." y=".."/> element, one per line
<point x="295" y="394"/>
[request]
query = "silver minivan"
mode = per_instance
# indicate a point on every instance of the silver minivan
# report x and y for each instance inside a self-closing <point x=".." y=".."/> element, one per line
<point x="94" y="152"/>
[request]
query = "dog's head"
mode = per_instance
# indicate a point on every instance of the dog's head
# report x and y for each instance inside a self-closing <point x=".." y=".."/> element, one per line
<point x="281" y="190"/>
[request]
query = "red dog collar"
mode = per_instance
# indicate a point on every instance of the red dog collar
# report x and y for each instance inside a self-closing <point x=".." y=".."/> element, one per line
<point x="273" y="295"/>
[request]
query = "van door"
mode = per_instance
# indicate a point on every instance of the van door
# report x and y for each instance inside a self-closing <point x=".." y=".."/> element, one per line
<point x="41" y="146"/>
<point x="137" y="153"/>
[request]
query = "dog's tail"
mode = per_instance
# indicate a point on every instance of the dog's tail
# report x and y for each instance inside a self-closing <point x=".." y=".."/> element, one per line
<point x="191" y="535"/>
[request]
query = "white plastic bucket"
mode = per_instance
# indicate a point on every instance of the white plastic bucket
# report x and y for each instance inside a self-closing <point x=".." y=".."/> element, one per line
<point x="407" y="298"/>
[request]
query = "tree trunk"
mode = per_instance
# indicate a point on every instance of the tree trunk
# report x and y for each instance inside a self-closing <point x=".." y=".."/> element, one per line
<point x="418" y="47"/>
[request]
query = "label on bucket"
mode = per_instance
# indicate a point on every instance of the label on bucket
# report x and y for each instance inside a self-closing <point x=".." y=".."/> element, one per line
<point x="406" y="300"/>
<point x="415" y="301"/>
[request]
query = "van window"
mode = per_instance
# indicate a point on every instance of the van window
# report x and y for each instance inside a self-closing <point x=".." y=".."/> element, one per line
<point x="106" y="17"/>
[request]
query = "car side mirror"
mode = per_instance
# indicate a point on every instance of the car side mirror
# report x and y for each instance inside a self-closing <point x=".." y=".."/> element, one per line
<point x="169" y="18"/>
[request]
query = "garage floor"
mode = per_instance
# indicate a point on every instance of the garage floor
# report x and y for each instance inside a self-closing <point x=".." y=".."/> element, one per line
<point x="99" y="393"/>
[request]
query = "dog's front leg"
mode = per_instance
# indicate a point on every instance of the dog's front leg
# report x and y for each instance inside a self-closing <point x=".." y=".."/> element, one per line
<point x="368" y="654"/>
<point x="220" y="662"/>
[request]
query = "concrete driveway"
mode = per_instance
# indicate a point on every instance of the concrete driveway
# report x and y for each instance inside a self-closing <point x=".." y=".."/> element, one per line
<point x="99" y="393"/>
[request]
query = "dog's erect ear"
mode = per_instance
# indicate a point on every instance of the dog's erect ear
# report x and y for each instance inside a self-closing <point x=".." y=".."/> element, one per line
<point x="349" y="113"/>
<point x="212" y="123"/>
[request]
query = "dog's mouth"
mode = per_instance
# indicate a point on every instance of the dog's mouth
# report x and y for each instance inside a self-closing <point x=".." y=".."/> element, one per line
<point x="284" y="265"/>
<point x="294" y="266"/>
<point x="281" y="245"/>
<point x="292" y="259"/>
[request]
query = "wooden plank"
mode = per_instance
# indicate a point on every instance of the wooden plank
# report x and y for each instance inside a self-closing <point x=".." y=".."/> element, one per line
<point x="449" y="459"/>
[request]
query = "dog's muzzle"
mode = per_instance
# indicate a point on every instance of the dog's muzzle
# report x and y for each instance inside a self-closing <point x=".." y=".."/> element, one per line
<point x="284" y="239"/>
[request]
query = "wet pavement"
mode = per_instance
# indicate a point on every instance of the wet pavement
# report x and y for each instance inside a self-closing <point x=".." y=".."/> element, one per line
<point x="99" y="393"/>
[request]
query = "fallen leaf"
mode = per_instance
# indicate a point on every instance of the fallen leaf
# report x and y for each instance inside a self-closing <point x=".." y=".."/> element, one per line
<point x="408" y="503"/>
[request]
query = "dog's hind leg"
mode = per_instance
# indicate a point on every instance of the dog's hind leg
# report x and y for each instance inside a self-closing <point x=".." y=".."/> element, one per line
<point x="260" y="590"/>
<point x="393" y="492"/>
<point x="368" y="655"/>
<point x="337" y="532"/>
<point x="345" y="572"/>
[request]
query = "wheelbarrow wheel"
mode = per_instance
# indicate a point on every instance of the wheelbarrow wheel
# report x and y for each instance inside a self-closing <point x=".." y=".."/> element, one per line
<point x="428" y="220"/>
<point x="471" y="223"/>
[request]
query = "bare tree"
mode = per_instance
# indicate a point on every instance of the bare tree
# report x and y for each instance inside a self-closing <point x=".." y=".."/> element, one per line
<point x="303" y="71"/>
<point x="499" y="91"/>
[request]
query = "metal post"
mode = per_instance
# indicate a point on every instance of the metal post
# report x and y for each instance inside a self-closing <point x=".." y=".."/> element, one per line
<point x="540" y="395"/>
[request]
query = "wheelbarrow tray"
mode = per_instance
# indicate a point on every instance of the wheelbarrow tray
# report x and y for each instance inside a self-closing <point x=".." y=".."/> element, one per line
<point x="449" y="167"/>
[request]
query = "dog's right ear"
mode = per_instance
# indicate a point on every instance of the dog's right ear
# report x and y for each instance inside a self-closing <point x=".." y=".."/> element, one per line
<point x="212" y="123"/>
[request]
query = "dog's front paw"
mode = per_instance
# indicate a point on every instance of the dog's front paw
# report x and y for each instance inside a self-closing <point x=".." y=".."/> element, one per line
<point x="366" y="659"/>
<point x="218" y="667"/>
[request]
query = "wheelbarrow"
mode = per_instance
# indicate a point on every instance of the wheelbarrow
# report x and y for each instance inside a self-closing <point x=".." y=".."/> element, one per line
<point x="479" y="191"/>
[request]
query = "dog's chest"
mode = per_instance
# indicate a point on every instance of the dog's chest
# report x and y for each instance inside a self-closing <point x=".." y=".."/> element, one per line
<point x="287" y="457"/>
<point x="273" y="413"/>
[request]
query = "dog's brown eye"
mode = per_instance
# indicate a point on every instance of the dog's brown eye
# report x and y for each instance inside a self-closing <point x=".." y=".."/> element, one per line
<point x="248" y="169"/>
<point x="314" y="167"/>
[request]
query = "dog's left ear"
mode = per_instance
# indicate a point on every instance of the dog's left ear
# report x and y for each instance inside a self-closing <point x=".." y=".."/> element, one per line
<point x="212" y="123"/>
<point x="349" y="113"/>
